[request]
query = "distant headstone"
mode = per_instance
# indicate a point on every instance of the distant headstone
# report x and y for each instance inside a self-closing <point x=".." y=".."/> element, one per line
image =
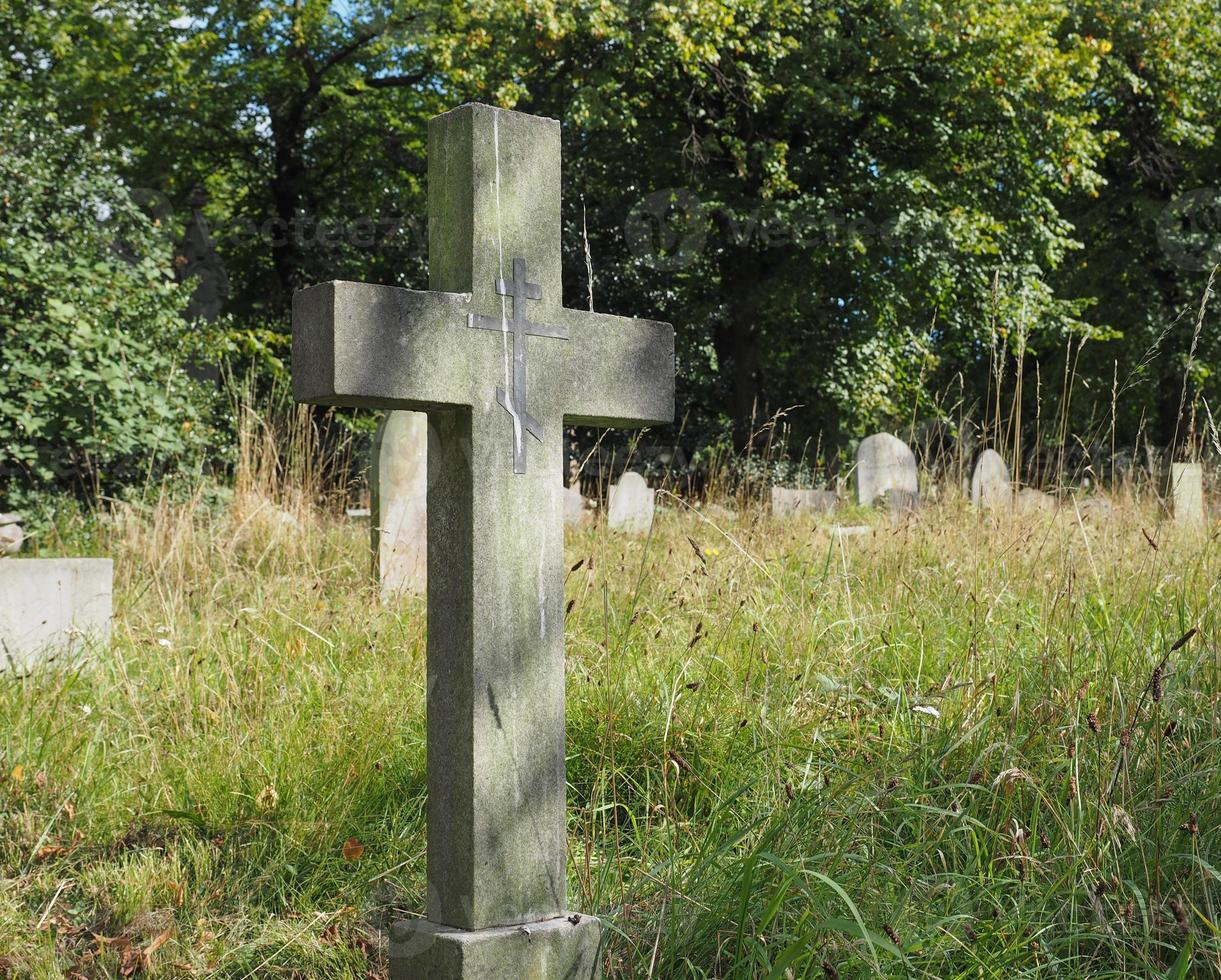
<point x="11" y="534"/>
<point x="716" y="512"/>
<point x="990" y="487"/>
<point x="398" y="508"/>
<point x="1094" y="508"/>
<point x="50" y="607"/>
<point x="786" y="502"/>
<point x="1187" y="493"/>
<point x="576" y="507"/>
<point x="502" y="367"/>
<point x="886" y="471"/>
<point x="629" y="506"/>
<point x="1028" y="500"/>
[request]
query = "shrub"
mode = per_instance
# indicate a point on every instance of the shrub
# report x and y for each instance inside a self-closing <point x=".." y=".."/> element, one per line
<point x="93" y="391"/>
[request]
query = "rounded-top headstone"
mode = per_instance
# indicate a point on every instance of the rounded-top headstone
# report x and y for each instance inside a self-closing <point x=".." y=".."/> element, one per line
<point x="886" y="470"/>
<point x="629" y="506"/>
<point x="990" y="487"/>
<point x="399" y="484"/>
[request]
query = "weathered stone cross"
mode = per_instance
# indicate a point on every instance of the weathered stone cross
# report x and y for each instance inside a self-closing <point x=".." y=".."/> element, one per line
<point x="496" y="788"/>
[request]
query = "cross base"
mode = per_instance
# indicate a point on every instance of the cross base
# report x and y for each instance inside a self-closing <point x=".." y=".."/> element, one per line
<point x="564" y="948"/>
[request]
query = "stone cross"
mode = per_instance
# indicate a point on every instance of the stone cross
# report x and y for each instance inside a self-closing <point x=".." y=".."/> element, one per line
<point x="462" y="352"/>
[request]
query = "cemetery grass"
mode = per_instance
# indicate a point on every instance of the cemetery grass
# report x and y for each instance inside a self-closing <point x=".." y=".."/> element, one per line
<point x="957" y="746"/>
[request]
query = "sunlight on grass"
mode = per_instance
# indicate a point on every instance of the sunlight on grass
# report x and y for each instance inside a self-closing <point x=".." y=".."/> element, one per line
<point x="961" y="746"/>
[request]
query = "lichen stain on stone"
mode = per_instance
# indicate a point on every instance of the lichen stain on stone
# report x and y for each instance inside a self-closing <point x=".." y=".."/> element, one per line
<point x="495" y="707"/>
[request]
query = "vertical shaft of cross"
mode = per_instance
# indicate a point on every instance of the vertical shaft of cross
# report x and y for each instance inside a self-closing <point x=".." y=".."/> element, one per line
<point x="496" y="826"/>
<point x="496" y="788"/>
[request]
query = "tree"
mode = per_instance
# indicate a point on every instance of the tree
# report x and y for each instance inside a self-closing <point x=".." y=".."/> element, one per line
<point x="93" y="393"/>
<point x="1152" y="231"/>
<point x="859" y="175"/>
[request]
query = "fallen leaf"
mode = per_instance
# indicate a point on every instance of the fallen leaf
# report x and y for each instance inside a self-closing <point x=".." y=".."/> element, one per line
<point x="353" y="850"/>
<point x="155" y="945"/>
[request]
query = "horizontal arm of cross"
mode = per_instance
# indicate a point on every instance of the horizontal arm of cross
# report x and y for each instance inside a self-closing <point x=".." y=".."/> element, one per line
<point x="623" y="370"/>
<point x="380" y="346"/>
<point x="505" y="325"/>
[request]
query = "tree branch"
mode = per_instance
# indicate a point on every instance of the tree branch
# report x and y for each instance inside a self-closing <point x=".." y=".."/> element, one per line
<point x="396" y="81"/>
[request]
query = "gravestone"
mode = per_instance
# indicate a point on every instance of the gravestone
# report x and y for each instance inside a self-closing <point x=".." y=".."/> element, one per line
<point x="1028" y="500"/>
<point x="501" y="367"/>
<point x="11" y="534"/>
<point x="629" y="505"/>
<point x="990" y="488"/>
<point x="886" y="471"/>
<point x="576" y="507"/>
<point x="786" y="502"/>
<point x="50" y="607"/>
<point x="398" y="511"/>
<point x="1187" y="493"/>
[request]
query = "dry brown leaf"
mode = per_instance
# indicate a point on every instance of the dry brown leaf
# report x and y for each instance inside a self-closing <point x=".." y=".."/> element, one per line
<point x="155" y="945"/>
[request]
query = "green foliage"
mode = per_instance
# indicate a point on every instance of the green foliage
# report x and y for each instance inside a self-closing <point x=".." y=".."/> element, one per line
<point x="853" y="211"/>
<point x="93" y="395"/>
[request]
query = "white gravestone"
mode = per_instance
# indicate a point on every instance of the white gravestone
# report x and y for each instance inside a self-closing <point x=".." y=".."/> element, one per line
<point x="1187" y="493"/>
<point x="501" y="366"/>
<point x="629" y="505"/>
<point x="886" y="471"/>
<point x="990" y="487"/>
<point x="50" y="607"/>
<point x="399" y="503"/>
<point x="576" y="507"/>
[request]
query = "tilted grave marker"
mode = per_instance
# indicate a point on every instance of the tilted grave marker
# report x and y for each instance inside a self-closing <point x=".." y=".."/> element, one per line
<point x="501" y="368"/>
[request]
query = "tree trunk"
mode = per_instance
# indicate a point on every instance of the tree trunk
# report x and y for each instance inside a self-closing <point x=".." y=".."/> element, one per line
<point x="737" y="340"/>
<point x="289" y="185"/>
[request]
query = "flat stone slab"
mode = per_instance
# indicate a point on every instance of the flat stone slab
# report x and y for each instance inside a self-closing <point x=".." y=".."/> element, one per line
<point x="787" y="502"/>
<point x="50" y="607"/>
<point x="564" y="948"/>
<point x="1028" y="500"/>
